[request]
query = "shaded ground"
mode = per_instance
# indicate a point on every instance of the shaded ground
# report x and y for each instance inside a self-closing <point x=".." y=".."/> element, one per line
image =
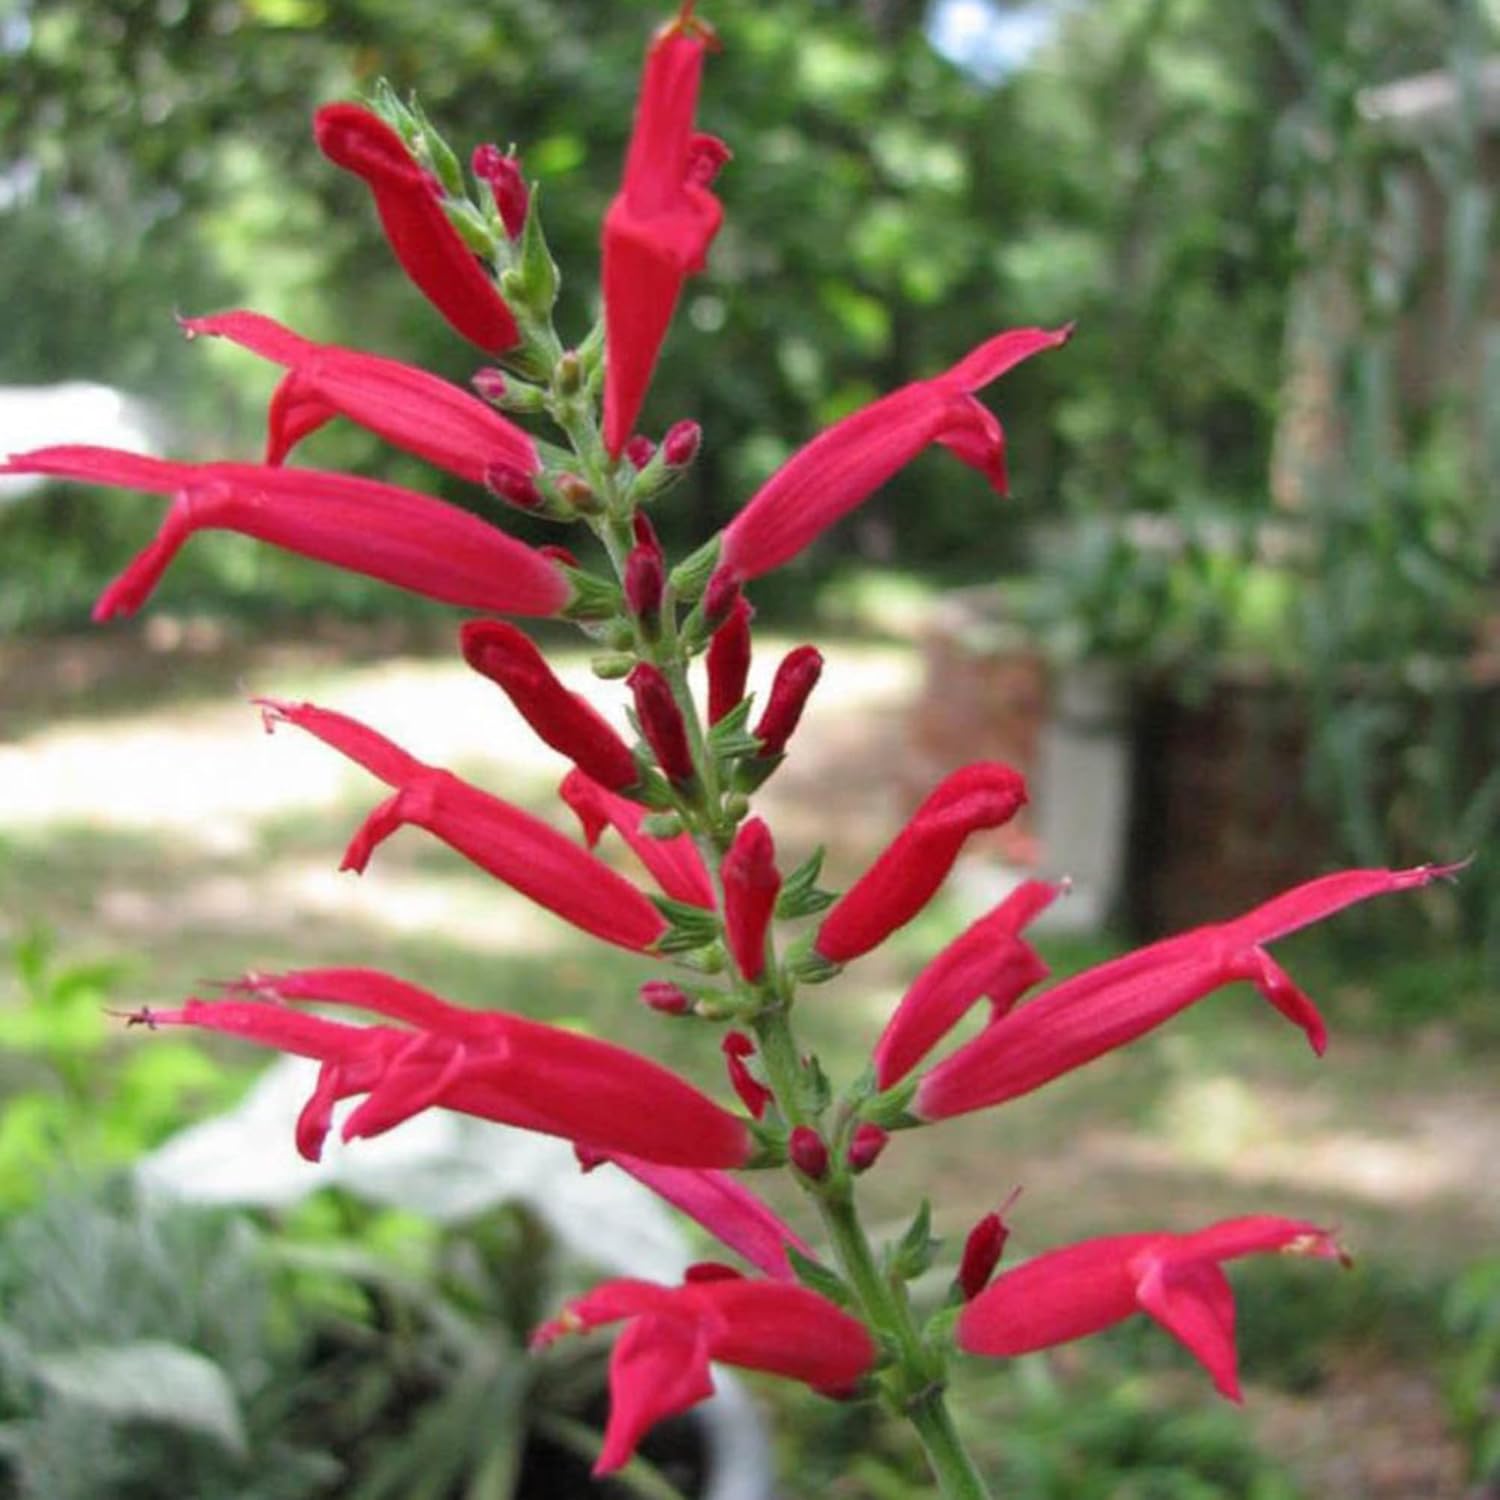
<point x="143" y="811"/>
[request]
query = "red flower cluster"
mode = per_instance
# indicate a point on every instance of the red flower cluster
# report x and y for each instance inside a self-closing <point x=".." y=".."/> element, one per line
<point x="677" y="795"/>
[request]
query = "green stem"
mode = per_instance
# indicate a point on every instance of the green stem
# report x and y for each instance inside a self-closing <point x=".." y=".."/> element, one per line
<point x="947" y="1457"/>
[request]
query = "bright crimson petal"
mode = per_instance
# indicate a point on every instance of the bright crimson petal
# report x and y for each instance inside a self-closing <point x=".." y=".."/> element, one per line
<point x="1116" y="1002"/>
<point x="845" y="464"/>
<point x="429" y="248"/>
<point x="904" y="878"/>
<point x="659" y="226"/>
<point x="675" y="863"/>
<point x="760" y="1325"/>
<point x="988" y="959"/>
<point x="395" y="535"/>
<point x="401" y="403"/>
<point x="511" y="845"/>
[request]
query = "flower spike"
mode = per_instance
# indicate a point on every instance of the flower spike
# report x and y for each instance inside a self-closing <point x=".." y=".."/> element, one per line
<point x="429" y="248"/>
<point x="1105" y="1007"/>
<point x="491" y="1064"/>
<point x="509" y="844"/>
<point x="846" y="463"/>
<point x="659" y="227"/>
<point x="400" y="403"/>
<point x="1175" y="1278"/>
<point x="660" y="1364"/>
<point x="385" y="532"/>
<point x="905" y="877"/>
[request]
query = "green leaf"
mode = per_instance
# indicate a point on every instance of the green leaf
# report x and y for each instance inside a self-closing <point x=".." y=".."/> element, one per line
<point x="689" y="926"/>
<point x="729" y="738"/>
<point x="539" y="275"/>
<point x="149" y="1381"/>
<point x="690" y="576"/>
<point x="801" y="896"/>
<point x="817" y="1277"/>
<point x="911" y="1255"/>
<point x="813" y="1088"/>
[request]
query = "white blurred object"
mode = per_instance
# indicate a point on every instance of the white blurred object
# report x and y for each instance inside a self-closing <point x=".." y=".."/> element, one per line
<point x="77" y="411"/>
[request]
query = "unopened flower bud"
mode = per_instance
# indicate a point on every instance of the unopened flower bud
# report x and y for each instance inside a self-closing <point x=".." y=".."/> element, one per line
<point x="513" y="485"/>
<point x="661" y="721"/>
<point x="645" y="574"/>
<point x="795" y="679"/>
<point x="489" y="383"/>
<point x="666" y="998"/>
<point x="729" y="660"/>
<point x="753" y="1094"/>
<point x="718" y="598"/>
<point x="568" y="376"/>
<point x="612" y="665"/>
<point x="680" y="446"/>
<point x="507" y="393"/>
<point x="866" y="1145"/>
<point x="736" y="805"/>
<point x="808" y="1152"/>
<point x="638" y="451"/>
<point x="982" y="1251"/>
<point x="751" y="885"/>
<point x="577" y="492"/>
<point x="502" y="172"/>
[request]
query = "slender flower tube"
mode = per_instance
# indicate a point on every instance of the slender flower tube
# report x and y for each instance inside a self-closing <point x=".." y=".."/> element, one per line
<point x="846" y="463"/>
<point x="905" y="876"/>
<point x="660" y="1364"/>
<point x="725" y="1207"/>
<point x="406" y="406"/>
<point x="990" y="958"/>
<point x="409" y="203"/>
<point x="509" y="844"/>
<point x="564" y="720"/>
<point x="675" y="863"/>
<point x="395" y="535"/>
<point x="983" y="1247"/>
<point x="660" y="224"/>
<point x="1175" y="1278"/>
<point x="1105" y="1007"/>
<point x="491" y="1064"/>
<point x="751" y="885"/>
<point x="796" y="676"/>
<point x="661" y="721"/>
<point x="729" y="660"/>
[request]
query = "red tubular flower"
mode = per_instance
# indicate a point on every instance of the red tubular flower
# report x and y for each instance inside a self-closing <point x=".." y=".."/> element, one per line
<point x="725" y="1207"/>
<point x="409" y="203"/>
<point x="845" y="464"/>
<point x="665" y="998"/>
<point x="907" y="874"/>
<point x="1116" y="1002"/>
<point x="661" y="720"/>
<point x="380" y="530"/>
<point x="983" y="1247"/>
<point x="509" y="844"/>
<point x="729" y="660"/>
<point x="659" y="227"/>
<point x="675" y="863"/>
<point x="564" y="720"/>
<point x="796" y="677"/>
<point x="400" y="403"/>
<point x="989" y="958"/>
<point x="1175" y="1278"/>
<point x="751" y="885"/>
<point x="491" y="1064"/>
<point x="507" y="185"/>
<point x="660" y="1364"/>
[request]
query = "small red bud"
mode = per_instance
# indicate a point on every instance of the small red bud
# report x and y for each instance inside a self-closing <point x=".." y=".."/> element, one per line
<point x="865" y="1146"/>
<point x="645" y="572"/>
<point x="808" y="1152"/>
<point x="503" y="173"/>
<point x="751" y="883"/>
<point x="663" y="996"/>
<point x="753" y="1094"/>
<point x="512" y="485"/>
<point x="661" y="721"/>
<point x="718" y="598"/>
<point x="680" y="446"/>
<point x="489" y="383"/>
<point x="729" y="660"/>
<point x="638" y="451"/>
<point x="795" y="679"/>
<point x="982" y="1251"/>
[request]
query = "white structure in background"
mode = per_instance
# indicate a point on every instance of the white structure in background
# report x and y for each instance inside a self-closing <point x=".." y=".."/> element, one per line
<point x="77" y="411"/>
